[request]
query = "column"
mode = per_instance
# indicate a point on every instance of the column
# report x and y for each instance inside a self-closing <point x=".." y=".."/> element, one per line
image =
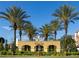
<point x="45" y="48"/>
<point x="20" y="48"/>
<point x="32" y="48"/>
<point x="57" y="49"/>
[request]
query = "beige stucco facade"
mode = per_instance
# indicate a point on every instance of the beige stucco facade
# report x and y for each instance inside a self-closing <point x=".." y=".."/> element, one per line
<point x="45" y="45"/>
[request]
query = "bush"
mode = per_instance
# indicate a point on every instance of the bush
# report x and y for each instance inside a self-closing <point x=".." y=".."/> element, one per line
<point x="72" y="53"/>
<point x="59" y="54"/>
<point x="42" y="53"/>
<point x="28" y="53"/>
<point x="9" y="52"/>
<point x="3" y="52"/>
<point x="24" y="53"/>
<point x="39" y="53"/>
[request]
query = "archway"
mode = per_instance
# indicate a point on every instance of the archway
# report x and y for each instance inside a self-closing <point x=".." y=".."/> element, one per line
<point x="51" y="48"/>
<point x="39" y="48"/>
<point x="26" y="48"/>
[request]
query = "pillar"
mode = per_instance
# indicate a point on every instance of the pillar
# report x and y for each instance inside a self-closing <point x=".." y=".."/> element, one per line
<point x="45" y="49"/>
<point x="20" y="48"/>
<point x="32" y="48"/>
<point x="58" y="48"/>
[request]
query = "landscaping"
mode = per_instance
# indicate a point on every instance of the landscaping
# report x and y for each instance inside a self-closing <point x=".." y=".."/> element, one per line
<point x="43" y="41"/>
<point x="39" y="55"/>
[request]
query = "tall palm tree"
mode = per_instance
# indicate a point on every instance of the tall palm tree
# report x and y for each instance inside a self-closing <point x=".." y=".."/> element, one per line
<point x="14" y="14"/>
<point x="45" y="30"/>
<point x="30" y="30"/>
<point x="66" y="14"/>
<point x="55" y="26"/>
<point x="20" y="26"/>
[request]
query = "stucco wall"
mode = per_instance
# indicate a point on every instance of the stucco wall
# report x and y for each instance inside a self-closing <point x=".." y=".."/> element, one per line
<point x="45" y="44"/>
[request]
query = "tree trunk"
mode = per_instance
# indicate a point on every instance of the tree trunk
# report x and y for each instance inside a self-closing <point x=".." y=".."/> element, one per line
<point x="55" y="34"/>
<point x="14" y="49"/>
<point x="46" y="37"/>
<point x="1" y="46"/>
<point x="20" y="34"/>
<point x="30" y="37"/>
<point x="66" y="30"/>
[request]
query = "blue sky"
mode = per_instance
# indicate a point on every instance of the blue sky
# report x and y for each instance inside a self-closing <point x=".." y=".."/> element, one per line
<point x="40" y="13"/>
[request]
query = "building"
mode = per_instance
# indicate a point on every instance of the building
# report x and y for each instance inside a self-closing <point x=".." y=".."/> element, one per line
<point x="76" y="37"/>
<point x="34" y="46"/>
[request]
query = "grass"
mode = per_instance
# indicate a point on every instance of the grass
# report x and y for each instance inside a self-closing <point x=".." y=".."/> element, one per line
<point x="25" y="56"/>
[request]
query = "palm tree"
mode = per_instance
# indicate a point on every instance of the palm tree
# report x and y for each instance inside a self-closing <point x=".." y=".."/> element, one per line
<point x="30" y="30"/>
<point x="66" y="14"/>
<point x="2" y="41"/>
<point x="20" y="26"/>
<point x="14" y="14"/>
<point x="6" y="45"/>
<point x="55" y="26"/>
<point x="45" y="30"/>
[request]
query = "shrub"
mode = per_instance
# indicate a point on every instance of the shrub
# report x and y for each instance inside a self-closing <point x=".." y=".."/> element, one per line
<point x="24" y="53"/>
<point x="72" y="53"/>
<point x="3" y="52"/>
<point x="27" y="53"/>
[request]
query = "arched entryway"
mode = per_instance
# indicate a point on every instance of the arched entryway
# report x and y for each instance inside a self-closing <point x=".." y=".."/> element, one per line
<point x="39" y="48"/>
<point x="26" y="48"/>
<point x="51" y="48"/>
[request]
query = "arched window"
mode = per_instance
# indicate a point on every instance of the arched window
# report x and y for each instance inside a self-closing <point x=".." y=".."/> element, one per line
<point x="26" y="48"/>
<point x="51" y="48"/>
<point x="39" y="48"/>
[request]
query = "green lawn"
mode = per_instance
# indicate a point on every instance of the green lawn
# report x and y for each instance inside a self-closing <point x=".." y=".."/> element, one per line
<point x="22" y="56"/>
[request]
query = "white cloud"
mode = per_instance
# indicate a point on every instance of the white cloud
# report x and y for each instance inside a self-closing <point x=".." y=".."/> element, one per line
<point x="6" y="28"/>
